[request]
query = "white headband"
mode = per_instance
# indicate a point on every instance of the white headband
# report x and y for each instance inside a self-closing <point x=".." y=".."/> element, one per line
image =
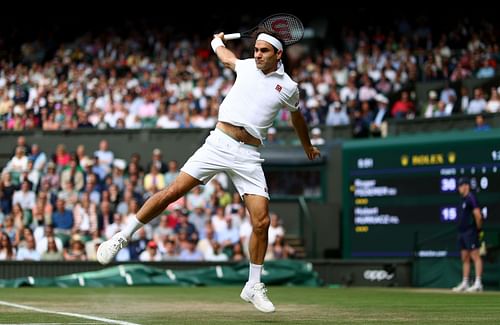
<point x="271" y="40"/>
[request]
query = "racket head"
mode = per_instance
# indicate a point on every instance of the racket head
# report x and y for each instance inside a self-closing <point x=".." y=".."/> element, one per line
<point x="286" y="27"/>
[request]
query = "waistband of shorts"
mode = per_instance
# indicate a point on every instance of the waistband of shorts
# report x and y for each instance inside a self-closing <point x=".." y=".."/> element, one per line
<point x="235" y="141"/>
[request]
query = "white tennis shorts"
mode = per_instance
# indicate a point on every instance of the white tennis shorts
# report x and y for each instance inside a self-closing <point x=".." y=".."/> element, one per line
<point x="222" y="153"/>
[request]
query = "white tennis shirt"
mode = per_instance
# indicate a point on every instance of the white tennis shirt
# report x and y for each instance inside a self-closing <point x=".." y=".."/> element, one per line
<point x="255" y="98"/>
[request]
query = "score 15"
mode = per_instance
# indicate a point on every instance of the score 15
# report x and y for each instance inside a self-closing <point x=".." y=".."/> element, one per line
<point x="448" y="214"/>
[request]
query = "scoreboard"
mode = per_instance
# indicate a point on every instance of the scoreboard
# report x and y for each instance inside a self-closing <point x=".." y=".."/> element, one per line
<point x="400" y="195"/>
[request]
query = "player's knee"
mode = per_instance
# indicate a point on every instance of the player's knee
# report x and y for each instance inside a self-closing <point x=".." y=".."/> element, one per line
<point x="172" y="193"/>
<point x="262" y="225"/>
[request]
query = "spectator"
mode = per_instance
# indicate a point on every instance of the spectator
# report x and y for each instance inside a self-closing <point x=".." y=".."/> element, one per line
<point x="42" y="243"/>
<point x="478" y="104"/>
<point x="74" y="173"/>
<point x="336" y="115"/>
<point x="217" y="253"/>
<point x="51" y="178"/>
<point x="62" y="218"/>
<point x="52" y="252"/>
<point x="272" y="137"/>
<point x="205" y="245"/>
<point x="151" y="254"/>
<point x="432" y="105"/>
<point x="183" y="225"/>
<point x="195" y="198"/>
<point x="378" y="126"/>
<point x="76" y="250"/>
<point x="447" y="93"/>
<point x="25" y="197"/>
<point x="154" y="180"/>
<point x="21" y="142"/>
<point x="316" y="138"/>
<point x="7" y="189"/>
<point x="229" y="235"/>
<point x="281" y="249"/>
<point x="7" y="251"/>
<point x="403" y="108"/>
<point x="464" y="99"/>
<point x="105" y="156"/>
<point x="493" y="105"/>
<point x="28" y="252"/>
<point x="238" y="254"/>
<point x="172" y="172"/>
<point x="17" y="164"/>
<point x="360" y="125"/>
<point x="485" y="71"/>
<point x="85" y="216"/>
<point x="275" y="229"/>
<point x="481" y="124"/>
<point x="61" y="157"/>
<point x="137" y="245"/>
<point x="170" y="251"/>
<point x="38" y="157"/>
<point x="190" y="253"/>
<point x="157" y="159"/>
<point x="9" y="228"/>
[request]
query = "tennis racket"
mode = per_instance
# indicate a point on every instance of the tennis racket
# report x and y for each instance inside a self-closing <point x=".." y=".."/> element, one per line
<point x="287" y="27"/>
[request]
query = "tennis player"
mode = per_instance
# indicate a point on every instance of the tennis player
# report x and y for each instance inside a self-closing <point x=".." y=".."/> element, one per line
<point x="261" y="89"/>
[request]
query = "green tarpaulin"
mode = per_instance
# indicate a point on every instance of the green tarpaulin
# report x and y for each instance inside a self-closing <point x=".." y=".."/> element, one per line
<point x="275" y="273"/>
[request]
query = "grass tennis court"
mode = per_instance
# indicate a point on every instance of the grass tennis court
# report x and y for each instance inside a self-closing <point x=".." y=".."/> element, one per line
<point x="222" y="305"/>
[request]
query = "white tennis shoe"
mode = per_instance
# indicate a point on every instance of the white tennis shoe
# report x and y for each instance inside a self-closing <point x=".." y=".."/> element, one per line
<point x="476" y="287"/>
<point x="108" y="250"/>
<point x="463" y="286"/>
<point x="257" y="295"/>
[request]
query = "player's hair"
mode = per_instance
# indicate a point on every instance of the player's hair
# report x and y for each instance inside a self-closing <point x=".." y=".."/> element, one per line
<point x="265" y="31"/>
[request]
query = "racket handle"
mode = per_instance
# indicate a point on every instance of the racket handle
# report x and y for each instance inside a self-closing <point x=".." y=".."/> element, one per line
<point x="229" y="37"/>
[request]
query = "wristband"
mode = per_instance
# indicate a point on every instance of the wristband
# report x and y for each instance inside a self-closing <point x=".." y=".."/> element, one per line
<point x="216" y="42"/>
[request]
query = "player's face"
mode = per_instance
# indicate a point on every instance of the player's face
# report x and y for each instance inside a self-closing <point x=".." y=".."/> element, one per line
<point x="265" y="56"/>
<point x="463" y="189"/>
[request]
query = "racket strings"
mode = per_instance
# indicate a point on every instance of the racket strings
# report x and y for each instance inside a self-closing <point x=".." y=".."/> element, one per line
<point x="287" y="27"/>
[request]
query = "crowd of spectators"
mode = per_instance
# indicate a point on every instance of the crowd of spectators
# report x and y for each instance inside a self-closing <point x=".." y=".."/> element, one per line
<point x="62" y="205"/>
<point x="149" y="79"/>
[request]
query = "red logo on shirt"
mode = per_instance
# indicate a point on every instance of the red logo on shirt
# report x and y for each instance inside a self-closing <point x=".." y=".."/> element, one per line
<point x="278" y="87"/>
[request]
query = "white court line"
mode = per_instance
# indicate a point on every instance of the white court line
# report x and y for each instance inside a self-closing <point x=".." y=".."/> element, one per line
<point x="100" y="319"/>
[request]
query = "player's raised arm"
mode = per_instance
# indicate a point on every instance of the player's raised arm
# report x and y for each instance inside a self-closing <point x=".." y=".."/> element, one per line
<point x="225" y="55"/>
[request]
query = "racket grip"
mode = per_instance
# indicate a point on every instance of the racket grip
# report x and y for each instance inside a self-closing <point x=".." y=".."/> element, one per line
<point x="229" y="37"/>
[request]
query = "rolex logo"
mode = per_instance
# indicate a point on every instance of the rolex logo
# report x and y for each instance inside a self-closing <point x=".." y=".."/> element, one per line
<point x="404" y="160"/>
<point x="452" y="157"/>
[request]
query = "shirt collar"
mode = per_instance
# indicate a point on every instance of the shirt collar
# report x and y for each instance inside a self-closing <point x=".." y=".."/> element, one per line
<point x="280" y="70"/>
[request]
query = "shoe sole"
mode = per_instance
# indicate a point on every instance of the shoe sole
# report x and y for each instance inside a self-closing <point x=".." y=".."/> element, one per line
<point x="99" y="257"/>
<point x="245" y="298"/>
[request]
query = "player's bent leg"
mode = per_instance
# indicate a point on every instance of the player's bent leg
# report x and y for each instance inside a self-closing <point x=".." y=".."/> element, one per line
<point x="160" y="200"/>
<point x="152" y="208"/>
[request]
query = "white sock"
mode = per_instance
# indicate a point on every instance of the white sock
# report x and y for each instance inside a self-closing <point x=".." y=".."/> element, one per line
<point x="254" y="274"/>
<point x="478" y="280"/>
<point x="465" y="280"/>
<point x="132" y="226"/>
